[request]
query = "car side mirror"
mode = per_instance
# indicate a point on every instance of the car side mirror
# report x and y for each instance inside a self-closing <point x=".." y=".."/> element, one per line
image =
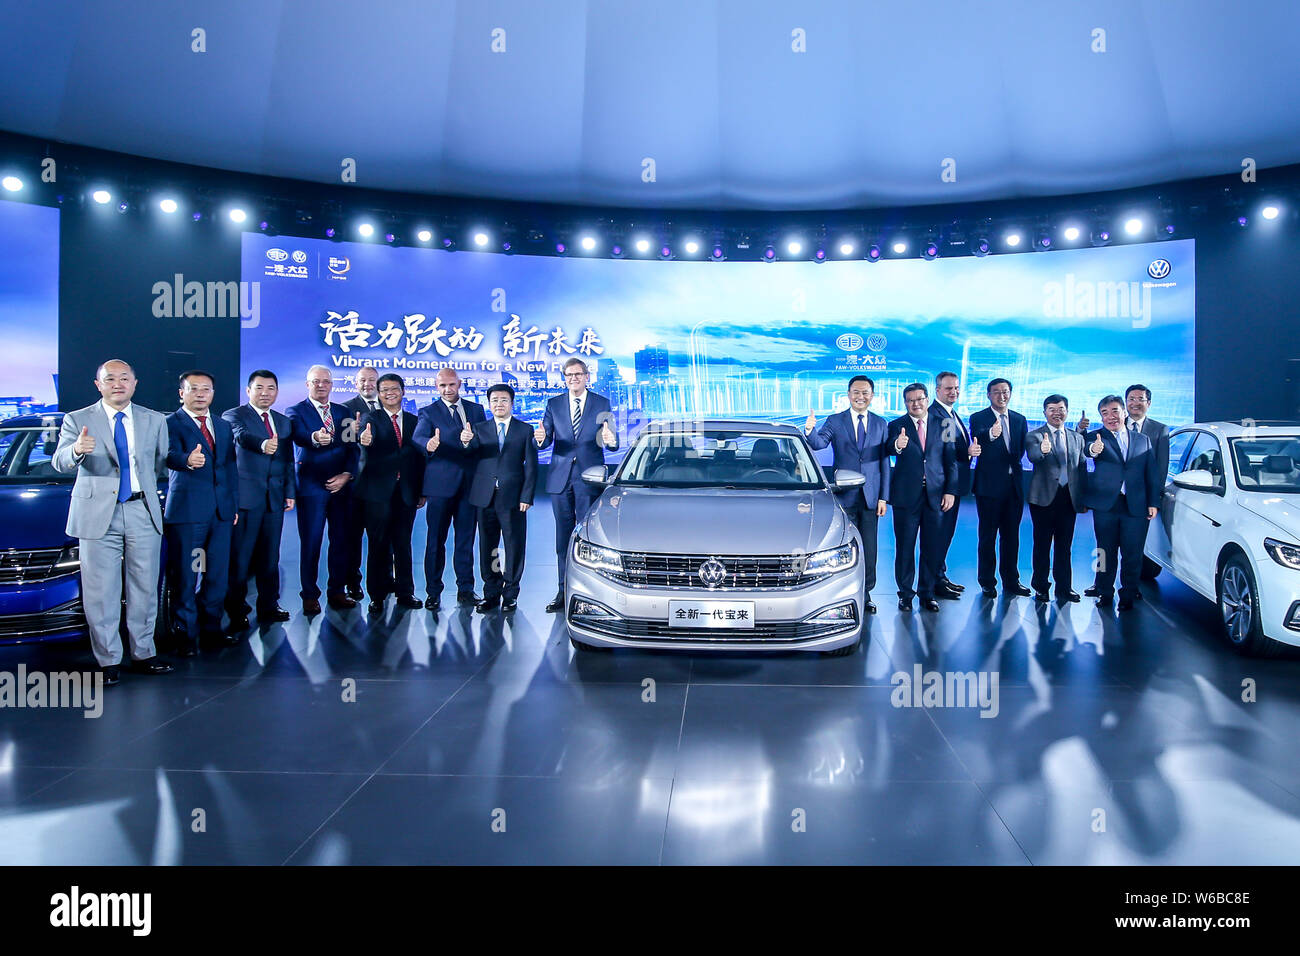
<point x="1196" y="480"/>
<point x="596" y="475"/>
<point x="848" y="478"/>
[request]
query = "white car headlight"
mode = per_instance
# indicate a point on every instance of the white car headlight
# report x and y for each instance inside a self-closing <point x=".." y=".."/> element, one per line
<point x="1287" y="555"/>
<point x="594" y="556"/>
<point x="834" y="559"/>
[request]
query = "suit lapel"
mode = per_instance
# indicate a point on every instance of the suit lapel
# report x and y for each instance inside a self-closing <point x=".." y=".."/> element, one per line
<point x="101" y="427"/>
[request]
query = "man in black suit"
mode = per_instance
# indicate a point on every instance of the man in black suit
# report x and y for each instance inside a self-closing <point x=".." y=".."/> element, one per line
<point x="388" y="487"/>
<point x="922" y="491"/>
<point x="362" y="404"/>
<point x="999" y="489"/>
<point x="505" y="476"/>
<point x="1124" y="494"/>
<point x="947" y="389"/>
<point x="267" y="488"/>
<point x="447" y="475"/>
<point x="1055" y="497"/>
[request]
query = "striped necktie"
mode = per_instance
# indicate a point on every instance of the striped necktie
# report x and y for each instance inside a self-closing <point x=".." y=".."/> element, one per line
<point x="577" y="417"/>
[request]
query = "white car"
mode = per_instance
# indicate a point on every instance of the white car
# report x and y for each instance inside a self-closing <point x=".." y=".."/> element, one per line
<point x="1229" y="526"/>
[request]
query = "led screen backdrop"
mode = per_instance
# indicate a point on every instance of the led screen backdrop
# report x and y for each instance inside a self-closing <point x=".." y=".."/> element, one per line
<point x="29" y="307"/>
<point x="752" y="340"/>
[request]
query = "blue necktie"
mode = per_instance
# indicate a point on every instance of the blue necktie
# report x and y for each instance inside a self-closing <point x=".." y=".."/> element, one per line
<point x="123" y="458"/>
<point x="501" y="434"/>
<point x="862" y="434"/>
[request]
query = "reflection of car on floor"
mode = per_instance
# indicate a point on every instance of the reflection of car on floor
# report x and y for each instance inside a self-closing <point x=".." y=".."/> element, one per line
<point x="1229" y="526"/>
<point x="716" y="535"/>
<point x="40" y="587"/>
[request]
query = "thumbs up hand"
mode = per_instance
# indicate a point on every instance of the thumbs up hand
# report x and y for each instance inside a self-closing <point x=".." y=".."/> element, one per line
<point x="1045" y="446"/>
<point x="810" y="423"/>
<point x="607" y="434"/>
<point x="197" y="458"/>
<point x="432" y="444"/>
<point x="539" y="434"/>
<point x="974" y="450"/>
<point x="322" y="437"/>
<point x="1083" y="423"/>
<point x="466" y="434"/>
<point x="1095" y="448"/>
<point x="996" y="430"/>
<point x="901" y="441"/>
<point x="271" y="445"/>
<point x="84" y="444"/>
<point x="367" y="436"/>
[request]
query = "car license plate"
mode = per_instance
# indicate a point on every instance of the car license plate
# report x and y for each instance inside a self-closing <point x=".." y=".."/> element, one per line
<point x="738" y="614"/>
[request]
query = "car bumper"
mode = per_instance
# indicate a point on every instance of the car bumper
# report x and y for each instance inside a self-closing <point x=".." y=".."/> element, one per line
<point x="638" y="616"/>
<point x="1279" y="599"/>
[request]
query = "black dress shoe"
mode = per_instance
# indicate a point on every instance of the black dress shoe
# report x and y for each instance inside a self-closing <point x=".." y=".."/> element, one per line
<point x="151" y="665"/>
<point x="487" y="604"/>
<point x="1019" y="590"/>
<point x="556" y="605"/>
<point x="310" y="606"/>
<point x="341" y="603"/>
<point x="219" y="639"/>
<point x="1091" y="591"/>
<point x="433" y="603"/>
<point x="930" y="604"/>
<point x="112" y="675"/>
<point x="990" y="592"/>
<point x="466" y="597"/>
<point x="409" y="601"/>
<point x="1126" y="604"/>
<point x="951" y="594"/>
<point x="1041" y="597"/>
<point x="1105" y="601"/>
<point x="376" y="607"/>
<point x="186" y="648"/>
<point x="273" y="615"/>
<point x="871" y="608"/>
<point x="237" y="624"/>
<point x="508" y="606"/>
<point x="905" y="604"/>
<point x="1071" y="596"/>
<point x="954" y="585"/>
<point x="354" y="591"/>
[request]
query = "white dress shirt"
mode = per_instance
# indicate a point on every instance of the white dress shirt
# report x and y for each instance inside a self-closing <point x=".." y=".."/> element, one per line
<point x="128" y="424"/>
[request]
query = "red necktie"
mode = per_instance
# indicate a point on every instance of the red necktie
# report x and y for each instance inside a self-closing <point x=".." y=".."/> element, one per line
<point x="266" y="420"/>
<point x="207" y="435"/>
<point x="397" y="428"/>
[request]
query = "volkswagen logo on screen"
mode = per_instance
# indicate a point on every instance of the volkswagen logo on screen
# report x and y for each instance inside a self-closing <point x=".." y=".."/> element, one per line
<point x="1159" y="269"/>
<point x="276" y="255"/>
<point x="877" y="342"/>
<point x="713" y="572"/>
<point x="299" y="256"/>
<point x="848" y="342"/>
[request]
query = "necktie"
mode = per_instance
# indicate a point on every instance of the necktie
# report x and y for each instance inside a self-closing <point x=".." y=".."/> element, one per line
<point x="501" y="434"/>
<point x="326" y="419"/>
<point x="207" y="435"/>
<point x="123" y="457"/>
<point x="1006" y="432"/>
<point x="455" y="416"/>
<point x="1063" y="475"/>
<point x="1135" y="426"/>
<point x="398" y="429"/>
<point x="920" y="433"/>
<point x="577" y="417"/>
<point x="862" y="433"/>
<point x="266" y="420"/>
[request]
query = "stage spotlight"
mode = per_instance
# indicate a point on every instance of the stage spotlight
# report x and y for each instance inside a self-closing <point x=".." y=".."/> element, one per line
<point x="794" y="247"/>
<point x="930" y="251"/>
<point x="1044" y="241"/>
<point x="616" y="250"/>
<point x="448" y="244"/>
<point x="899" y="247"/>
<point x="1071" y="233"/>
<point x="665" y="251"/>
<point x="365" y="230"/>
<point x="1242" y="221"/>
<point x="1100" y="237"/>
<point x="819" y="255"/>
<point x="561" y="249"/>
<point x="1013" y="239"/>
<point x="1169" y="229"/>
<point x="980" y="247"/>
<point x="588" y="243"/>
<point x="264" y="225"/>
<point x="480" y="239"/>
<point x="101" y="196"/>
<point x="330" y="232"/>
<point x="873" y="253"/>
<point x="718" y="255"/>
<point x="123" y="206"/>
<point x="196" y="216"/>
<point x="691" y="247"/>
<point x="390" y="237"/>
<point x="1133" y="226"/>
<point x="643" y="245"/>
<point x="425" y="235"/>
<point x="168" y="205"/>
<point x="237" y="215"/>
<point x="507" y="248"/>
<point x="1269" y="212"/>
<point x="769" y="254"/>
<point x="12" y="183"/>
<point x="846" y="248"/>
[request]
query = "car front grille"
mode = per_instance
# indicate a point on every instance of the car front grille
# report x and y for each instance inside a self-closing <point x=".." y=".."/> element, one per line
<point x="743" y="572"/>
<point x="65" y="617"/>
<point x="777" y="633"/>
<point x="23" y="567"/>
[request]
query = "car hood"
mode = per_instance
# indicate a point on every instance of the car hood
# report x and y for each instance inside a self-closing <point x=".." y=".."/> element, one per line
<point x="1281" y="511"/>
<point x="715" y="521"/>
<point x="34" y="516"/>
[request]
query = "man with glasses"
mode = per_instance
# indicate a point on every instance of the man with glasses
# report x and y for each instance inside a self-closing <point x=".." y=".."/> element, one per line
<point x="579" y="422"/>
<point x="947" y="389"/>
<point x="999" y="490"/>
<point x="365" y="402"/>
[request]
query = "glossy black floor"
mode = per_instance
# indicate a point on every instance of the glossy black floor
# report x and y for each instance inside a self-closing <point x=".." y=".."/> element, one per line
<point x="478" y="739"/>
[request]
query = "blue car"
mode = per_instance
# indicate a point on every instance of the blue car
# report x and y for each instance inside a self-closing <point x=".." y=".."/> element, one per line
<point x="40" y="580"/>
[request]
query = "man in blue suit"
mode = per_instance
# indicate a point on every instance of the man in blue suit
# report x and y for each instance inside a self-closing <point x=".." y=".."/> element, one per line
<point x="947" y="389"/>
<point x="267" y="489"/>
<point x="579" y="422"/>
<point x="1123" y="492"/>
<point x="328" y="457"/>
<point x="447" y="477"/>
<point x="999" y="490"/>
<point x="202" y="503"/>
<point x="922" y="490"/>
<point x="860" y="440"/>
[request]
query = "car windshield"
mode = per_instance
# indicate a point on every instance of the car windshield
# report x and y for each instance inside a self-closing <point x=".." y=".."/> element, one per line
<point x="1269" y="465"/>
<point x="25" y="453"/>
<point x="721" y="458"/>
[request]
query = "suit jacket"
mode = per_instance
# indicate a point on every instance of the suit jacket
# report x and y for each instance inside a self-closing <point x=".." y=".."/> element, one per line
<point x="94" y="493"/>
<point x="585" y="448"/>
<point x="357" y="405"/>
<point x="384" y="465"/>
<point x="510" y="471"/>
<point x="1045" y="480"/>
<point x="210" y="489"/>
<point x="962" y="442"/>
<point x="265" y="481"/>
<point x="1137" y="474"/>
<point x="937" y="464"/>
<point x="998" y="471"/>
<point x="872" y="459"/>
<point x="1158" y="434"/>
<point x="317" y="465"/>
<point x="449" y="468"/>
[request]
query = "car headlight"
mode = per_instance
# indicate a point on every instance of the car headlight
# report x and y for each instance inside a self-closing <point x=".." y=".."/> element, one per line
<point x="594" y="556"/>
<point x="1287" y="555"/>
<point x="69" y="559"/>
<point x="834" y="559"/>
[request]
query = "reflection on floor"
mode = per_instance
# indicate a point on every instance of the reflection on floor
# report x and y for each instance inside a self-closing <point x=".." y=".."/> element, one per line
<point x="466" y="738"/>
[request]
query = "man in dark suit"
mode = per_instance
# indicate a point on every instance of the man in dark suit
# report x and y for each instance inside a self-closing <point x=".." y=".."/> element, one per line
<point x="947" y="389"/>
<point x="1123" y="492"/>
<point x="325" y="434"/>
<point x="580" y="424"/>
<point x="202" y="508"/>
<point x="1055" y="497"/>
<point x="362" y="404"/>
<point x="388" y="489"/>
<point x="505" y="476"/>
<point x="264" y="457"/>
<point x="447" y="475"/>
<point x="999" y="490"/>
<point x="922" y="489"/>
<point x="860" y="440"/>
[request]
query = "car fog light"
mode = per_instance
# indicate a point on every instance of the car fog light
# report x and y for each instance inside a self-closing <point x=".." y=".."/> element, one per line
<point x="581" y="608"/>
<point x="835" y="615"/>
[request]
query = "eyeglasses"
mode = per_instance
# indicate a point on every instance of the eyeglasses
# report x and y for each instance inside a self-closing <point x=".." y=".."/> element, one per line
<point x="320" y="381"/>
<point x="390" y="391"/>
<point x="575" y="374"/>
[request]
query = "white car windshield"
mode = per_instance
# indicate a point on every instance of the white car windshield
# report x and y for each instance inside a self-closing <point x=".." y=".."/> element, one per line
<point x="720" y="458"/>
<point x="1270" y="464"/>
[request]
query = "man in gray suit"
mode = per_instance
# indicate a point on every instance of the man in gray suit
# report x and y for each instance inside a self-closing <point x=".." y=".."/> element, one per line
<point x="1055" y="497"/>
<point x="118" y="452"/>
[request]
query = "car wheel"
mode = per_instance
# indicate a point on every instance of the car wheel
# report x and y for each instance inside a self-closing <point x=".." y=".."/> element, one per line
<point x="845" y="651"/>
<point x="578" y="645"/>
<point x="1239" y="608"/>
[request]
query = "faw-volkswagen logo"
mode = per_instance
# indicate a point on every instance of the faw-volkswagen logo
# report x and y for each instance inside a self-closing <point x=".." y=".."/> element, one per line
<point x="1159" y="269"/>
<point x="276" y="255"/>
<point x="299" y="256"/>
<point x="713" y="572"/>
<point x="848" y="342"/>
<point x="877" y="342"/>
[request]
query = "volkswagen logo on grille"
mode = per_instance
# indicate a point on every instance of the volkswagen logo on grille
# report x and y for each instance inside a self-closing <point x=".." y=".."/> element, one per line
<point x="713" y="572"/>
<point x="1159" y="269"/>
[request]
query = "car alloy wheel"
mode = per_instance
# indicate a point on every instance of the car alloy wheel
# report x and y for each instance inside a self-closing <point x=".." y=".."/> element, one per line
<point x="1237" y="602"/>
